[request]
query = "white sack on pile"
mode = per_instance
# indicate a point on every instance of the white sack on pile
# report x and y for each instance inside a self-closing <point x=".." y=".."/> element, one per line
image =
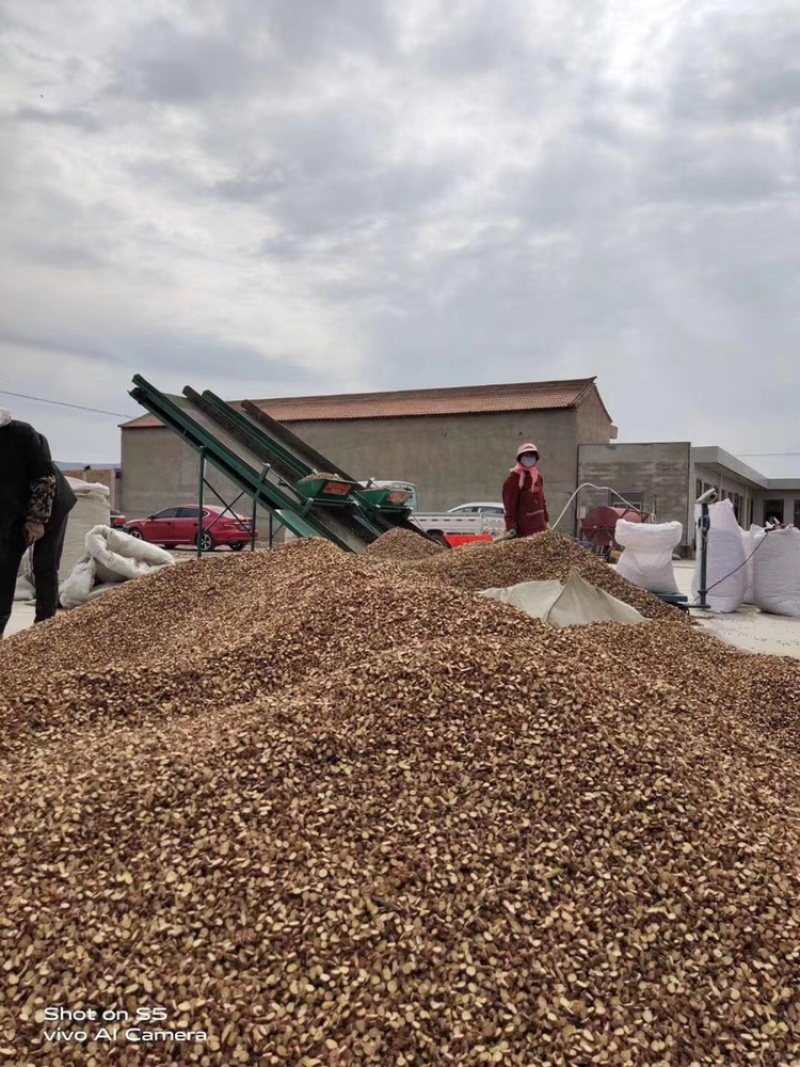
<point x="110" y="557"/>
<point x="776" y="571"/>
<point x="93" y="508"/>
<point x="726" y="578"/>
<point x="647" y="549"/>
<point x="577" y="603"/>
<point x="24" y="589"/>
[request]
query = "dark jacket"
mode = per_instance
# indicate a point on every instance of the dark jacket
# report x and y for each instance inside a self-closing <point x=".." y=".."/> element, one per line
<point x="27" y="476"/>
<point x="526" y="508"/>
<point x="64" y="500"/>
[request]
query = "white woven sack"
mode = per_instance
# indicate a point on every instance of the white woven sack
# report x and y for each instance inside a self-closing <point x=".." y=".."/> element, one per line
<point x="119" y="557"/>
<point x="726" y="579"/>
<point x="646" y="558"/>
<point x="77" y="587"/>
<point x="776" y="572"/>
<point x="110" y="556"/>
<point x="91" y="510"/>
<point x="81" y="488"/>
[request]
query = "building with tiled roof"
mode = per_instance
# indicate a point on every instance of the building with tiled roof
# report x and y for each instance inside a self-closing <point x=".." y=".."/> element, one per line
<point x="455" y="444"/>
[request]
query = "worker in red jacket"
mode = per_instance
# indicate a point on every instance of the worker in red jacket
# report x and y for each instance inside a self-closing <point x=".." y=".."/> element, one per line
<point x="523" y="496"/>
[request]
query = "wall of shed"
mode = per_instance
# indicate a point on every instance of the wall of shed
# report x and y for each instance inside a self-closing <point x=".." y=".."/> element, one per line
<point x="451" y="458"/>
<point x="660" y="471"/>
<point x="159" y="470"/>
<point x="594" y="424"/>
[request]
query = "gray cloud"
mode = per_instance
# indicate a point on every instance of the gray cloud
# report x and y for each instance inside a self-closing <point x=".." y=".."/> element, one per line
<point x="81" y="120"/>
<point x="166" y="64"/>
<point x="147" y="352"/>
<point x="739" y="66"/>
<point x="407" y="194"/>
<point x="248" y="44"/>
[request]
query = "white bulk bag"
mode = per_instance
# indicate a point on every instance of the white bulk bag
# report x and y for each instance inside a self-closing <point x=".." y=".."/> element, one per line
<point x="24" y="591"/>
<point x="726" y="578"/>
<point x="110" y="556"/>
<point x="776" y="571"/>
<point x="92" y="509"/>
<point x="647" y="549"/>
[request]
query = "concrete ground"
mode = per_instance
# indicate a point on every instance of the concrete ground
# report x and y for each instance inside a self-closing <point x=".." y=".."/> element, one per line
<point x="747" y="629"/>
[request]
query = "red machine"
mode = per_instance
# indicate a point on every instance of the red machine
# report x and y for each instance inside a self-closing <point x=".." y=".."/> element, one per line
<point x="597" y="528"/>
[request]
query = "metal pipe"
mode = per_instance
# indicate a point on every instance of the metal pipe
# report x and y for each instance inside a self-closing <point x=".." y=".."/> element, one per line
<point x="201" y="497"/>
<point x="705" y="522"/>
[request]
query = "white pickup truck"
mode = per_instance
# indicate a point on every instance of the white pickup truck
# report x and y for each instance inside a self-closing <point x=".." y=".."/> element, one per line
<point x="467" y="520"/>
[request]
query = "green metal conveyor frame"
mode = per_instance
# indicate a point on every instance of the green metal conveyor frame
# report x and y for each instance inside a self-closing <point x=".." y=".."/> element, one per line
<point x="242" y="469"/>
<point x="344" y="515"/>
<point x="264" y="467"/>
<point x="294" y="458"/>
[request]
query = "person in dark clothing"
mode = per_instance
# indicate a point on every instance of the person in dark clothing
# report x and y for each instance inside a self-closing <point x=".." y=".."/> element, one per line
<point x="48" y="549"/>
<point x="28" y="488"/>
<point x="523" y="496"/>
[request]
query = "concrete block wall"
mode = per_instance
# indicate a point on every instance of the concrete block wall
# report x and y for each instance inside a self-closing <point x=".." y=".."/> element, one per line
<point x="161" y="471"/>
<point x="729" y="483"/>
<point x="790" y="501"/>
<point x="452" y="459"/>
<point x="594" y="425"/>
<point x="661" y="471"/>
<point x="759" y="496"/>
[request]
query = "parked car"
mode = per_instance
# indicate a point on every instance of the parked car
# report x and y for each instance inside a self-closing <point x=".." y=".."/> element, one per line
<point x="181" y="526"/>
<point x="495" y="509"/>
<point x="472" y="520"/>
<point x="117" y="520"/>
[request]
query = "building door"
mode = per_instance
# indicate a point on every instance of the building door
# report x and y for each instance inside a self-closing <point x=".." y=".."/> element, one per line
<point x="797" y="513"/>
<point x="773" y="511"/>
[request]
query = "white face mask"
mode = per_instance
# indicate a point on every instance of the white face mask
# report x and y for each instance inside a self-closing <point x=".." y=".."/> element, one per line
<point x="528" y="461"/>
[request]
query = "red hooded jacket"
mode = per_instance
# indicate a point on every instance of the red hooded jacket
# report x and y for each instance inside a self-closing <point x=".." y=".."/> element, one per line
<point x="526" y="508"/>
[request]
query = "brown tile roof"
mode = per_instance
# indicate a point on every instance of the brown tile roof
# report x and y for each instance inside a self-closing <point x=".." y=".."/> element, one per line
<point x="461" y="400"/>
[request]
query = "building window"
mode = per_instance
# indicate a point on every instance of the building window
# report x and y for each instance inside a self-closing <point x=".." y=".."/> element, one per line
<point x="698" y="489"/>
<point x="635" y="500"/>
<point x="773" y="511"/>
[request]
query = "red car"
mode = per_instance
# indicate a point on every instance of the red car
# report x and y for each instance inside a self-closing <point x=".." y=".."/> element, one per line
<point x="181" y="526"/>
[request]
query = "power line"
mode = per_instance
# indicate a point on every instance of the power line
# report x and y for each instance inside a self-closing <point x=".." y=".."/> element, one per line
<point x="63" y="404"/>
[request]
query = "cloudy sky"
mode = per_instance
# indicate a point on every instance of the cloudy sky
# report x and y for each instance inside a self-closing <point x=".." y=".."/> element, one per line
<point x="285" y="197"/>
